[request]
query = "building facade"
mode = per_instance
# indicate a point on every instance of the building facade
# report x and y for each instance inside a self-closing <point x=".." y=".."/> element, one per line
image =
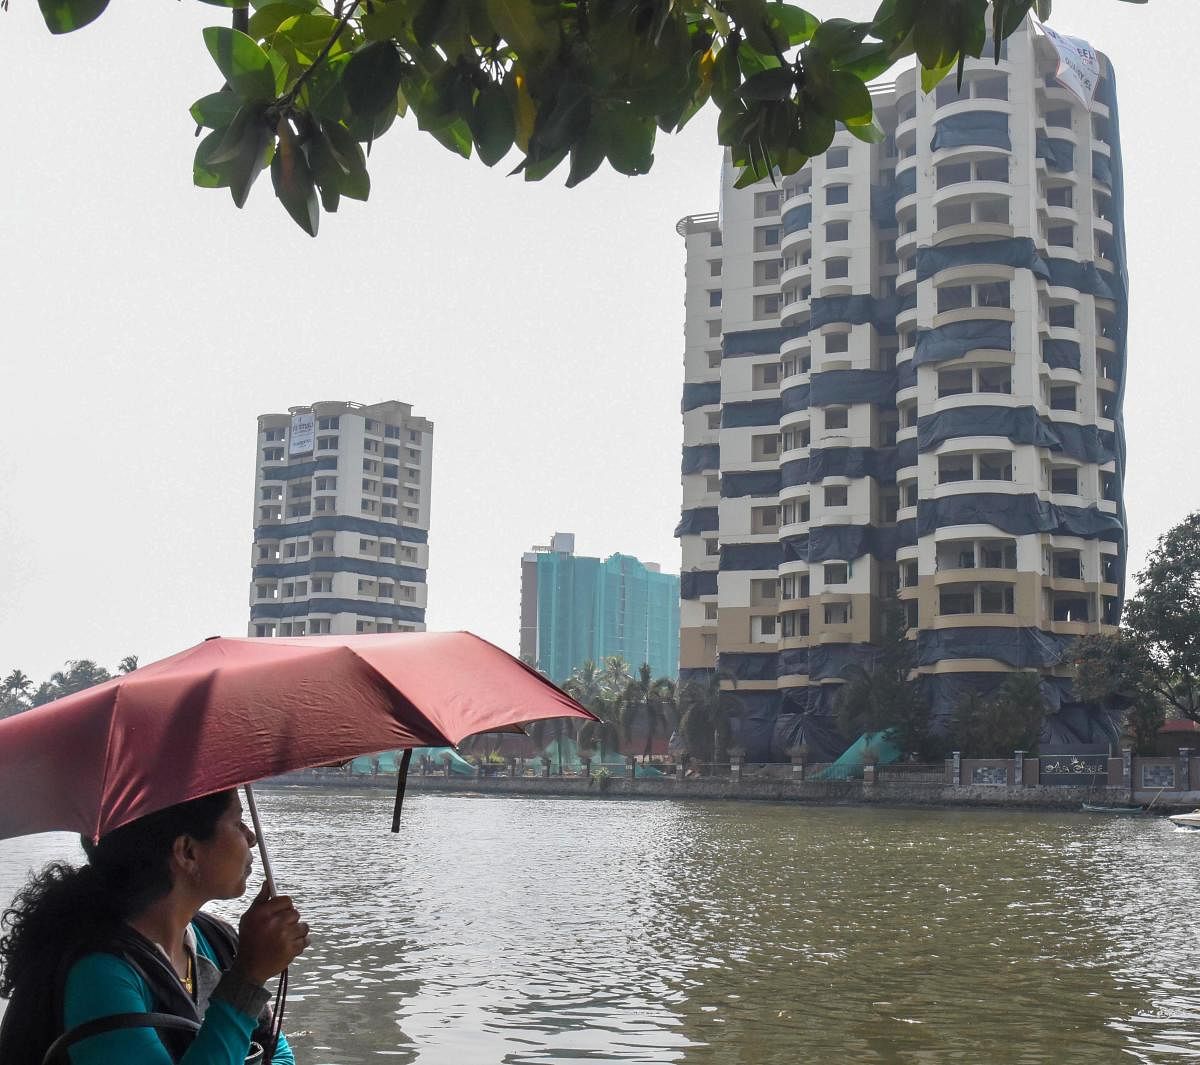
<point x="341" y="520"/>
<point x="576" y="609"/>
<point x="904" y="369"/>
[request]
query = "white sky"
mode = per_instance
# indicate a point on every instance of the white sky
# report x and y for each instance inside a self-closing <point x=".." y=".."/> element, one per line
<point x="146" y="323"/>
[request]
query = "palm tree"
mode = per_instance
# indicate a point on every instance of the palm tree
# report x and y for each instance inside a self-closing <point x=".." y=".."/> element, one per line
<point x="704" y="719"/>
<point x="587" y="686"/>
<point x="651" y="701"/>
<point x="128" y="664"/>
<point x="14" y="693"/>
<point x="615" y="675"/>
<point x="552" y="730"/>
<point x="80" y="673"/>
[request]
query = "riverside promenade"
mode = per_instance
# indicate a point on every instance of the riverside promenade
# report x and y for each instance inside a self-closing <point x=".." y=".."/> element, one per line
<point x="1016" y="782"/>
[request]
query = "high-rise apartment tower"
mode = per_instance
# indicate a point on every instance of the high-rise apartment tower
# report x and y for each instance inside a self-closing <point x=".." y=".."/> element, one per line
<point x="576" y="609"/>
<point x="341" y="520"/>
<point x="904" y="369"/>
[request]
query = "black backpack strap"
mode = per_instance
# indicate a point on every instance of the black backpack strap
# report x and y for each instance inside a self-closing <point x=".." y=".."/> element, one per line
<point x="115" y="1022"/>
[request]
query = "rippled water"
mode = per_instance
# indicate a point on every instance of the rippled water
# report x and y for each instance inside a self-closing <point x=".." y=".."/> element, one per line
<point x="530" y="930"/>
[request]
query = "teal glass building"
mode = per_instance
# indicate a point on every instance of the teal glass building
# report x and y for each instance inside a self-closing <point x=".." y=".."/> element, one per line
<point x="575" y="608"/>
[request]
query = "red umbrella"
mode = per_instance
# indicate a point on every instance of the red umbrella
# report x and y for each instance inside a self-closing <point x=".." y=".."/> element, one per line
<point x="230" y="711"/>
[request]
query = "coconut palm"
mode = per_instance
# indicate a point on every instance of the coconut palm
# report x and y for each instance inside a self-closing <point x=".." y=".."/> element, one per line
<point x="650" y="702"/>
<point x="703" y="727"/>
<point x="14" y="693"/>
<point x="588" y="686"/>
<point x="552" y="730"/>
<point x="128" y="664"/>
<point x="80" y="673"/>
<point x="615" y="675"/>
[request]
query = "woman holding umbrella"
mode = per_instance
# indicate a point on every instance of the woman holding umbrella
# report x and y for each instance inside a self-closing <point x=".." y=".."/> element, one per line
<point x="116" y="961"/>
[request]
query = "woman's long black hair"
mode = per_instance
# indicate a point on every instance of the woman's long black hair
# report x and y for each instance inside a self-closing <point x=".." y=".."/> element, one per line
<point x="66" y="910"/>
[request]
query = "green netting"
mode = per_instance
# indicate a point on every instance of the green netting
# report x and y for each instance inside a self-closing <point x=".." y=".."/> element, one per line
<point x="613" y="761"/>
<point x="389" y="761"/>
<point x="590" y="610"/>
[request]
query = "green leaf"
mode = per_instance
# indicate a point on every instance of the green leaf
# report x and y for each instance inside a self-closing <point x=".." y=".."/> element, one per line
<point x="206" y="174"/>
<point x="432" y="18"/>
<point x="774" y="84"/>
<point x="456" y="136"/>
<point x="517" y="22"/>
<point x="215" y="110"/>
<point x="323" y="90"/>
<point x="870" y="132"/>
<point x="796" y="24"/>
<point x="868" y="60"/>
<point x="244" y="64"/>
<point x="64" y="16"/>
<point x="587" y="154"/>
<point x="293" y="181"/>
<point x="326" y="170"/>
<point x="815" y="134"/>
<point x="836" y="37"/>
<point x="257" y="147"/>
<point x="630" y="142"/>
<point x="266" y="20"/>
<point x="492" y="124"/>
<point x="372" y="78"/>
<point x="931" y="76"/>
<point x="851" y="100"/>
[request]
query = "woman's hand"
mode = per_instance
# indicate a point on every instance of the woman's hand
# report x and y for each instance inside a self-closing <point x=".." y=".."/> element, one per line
<point x="270" y="936"/>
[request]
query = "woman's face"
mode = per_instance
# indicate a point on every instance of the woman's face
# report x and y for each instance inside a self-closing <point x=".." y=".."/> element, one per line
<point x="224" y="858"/>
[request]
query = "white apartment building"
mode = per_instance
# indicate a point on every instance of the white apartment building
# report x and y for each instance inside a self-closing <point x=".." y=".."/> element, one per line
<point x="903" y="373"/>
<point x="341" y="520"/>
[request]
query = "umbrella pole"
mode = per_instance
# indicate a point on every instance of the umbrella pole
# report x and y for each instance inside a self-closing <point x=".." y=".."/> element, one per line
<point x="262" y="843"/>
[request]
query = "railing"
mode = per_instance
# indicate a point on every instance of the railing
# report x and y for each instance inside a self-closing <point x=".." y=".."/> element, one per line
<point x="913" y="773"/>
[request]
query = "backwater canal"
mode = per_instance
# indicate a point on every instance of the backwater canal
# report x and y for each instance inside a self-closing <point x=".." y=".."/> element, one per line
<point x="559" y="930"/>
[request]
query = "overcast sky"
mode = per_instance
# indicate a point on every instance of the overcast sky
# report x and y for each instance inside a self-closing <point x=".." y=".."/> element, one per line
<point x="146" y="323"/>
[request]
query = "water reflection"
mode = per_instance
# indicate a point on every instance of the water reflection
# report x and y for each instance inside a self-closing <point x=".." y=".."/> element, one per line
<point x="508" y="930"/>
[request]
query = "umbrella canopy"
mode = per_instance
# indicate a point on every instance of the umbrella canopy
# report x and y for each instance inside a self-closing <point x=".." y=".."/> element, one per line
<point x="231" y="711"/>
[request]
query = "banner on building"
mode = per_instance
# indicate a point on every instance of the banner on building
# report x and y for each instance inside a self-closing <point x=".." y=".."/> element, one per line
<point x="1078" y="64"/>
<point x="303" y="434"/>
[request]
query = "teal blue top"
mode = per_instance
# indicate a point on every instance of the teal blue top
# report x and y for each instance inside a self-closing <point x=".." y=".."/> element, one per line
<point x="99" y="985"/>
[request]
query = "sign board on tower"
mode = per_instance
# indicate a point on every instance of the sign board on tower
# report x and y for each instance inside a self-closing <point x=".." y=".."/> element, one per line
<point x="303" y="434"/>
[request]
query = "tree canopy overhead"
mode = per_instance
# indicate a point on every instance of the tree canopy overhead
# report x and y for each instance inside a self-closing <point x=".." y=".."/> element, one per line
<point x="310" y="84"/>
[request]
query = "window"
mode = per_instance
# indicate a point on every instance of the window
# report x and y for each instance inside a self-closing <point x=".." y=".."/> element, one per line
<point x="836" y="343"/>
<point x="837" y="158"/>
<point x="764" y="590"/>
<point x="325" y="484"/>
<point x="714" y="359"/>
<point x="264" y="630"/>
<point x="714" y="328"/>
<point x="766" y="306"/>
<point x="837" y="613"/>
<point x="795" y="623"/>
<point x="766" y="271"/>
<point x="998" y="554"/>
<point x="995" y="379"/>
<point x="323" y="544"/>
<point x="953" y="298"/>
<point x="367" y="545"/>
<point x="837" y="573"/>
<point x="1062" y="397"/>
<point x="996" y="599"/>
<point x="712" y="482"/>
<point x="711" y="547"/>
<point x="1061" y="236"/>
<point x="714" y="267"/>
<point x="766" y="625"/>
<point x="318" y="626"/>
<point x="713" y="419"/>
<point x="952" y="468"/>
<point x="766" y="375"/>
<point x="1065" y="479"/>
<point x="835" y="231"/>
<point x="409" y="553"/>
<point x="371" y="446"/>
<point x="328" y="423"/>
<point x="710" y="611"/>
<point x="322" y="584"/>
<point x="272" y="454"/>
<point x="327" y="443"/>
<point x="387" y="591"/>
<point x="835" y="268"/>
<point x="837" y="495"/>
<point x="1060" y="196"/>
<point x="1062" y="315"/>
<point x="369" y="486"/>
<point x="835" y="194"/>
<point x="714" y="297"/>
<point x="764" y="519"/>
<point x="370" y="466"/>
<point x="995" y="466"/>
<point x="766" y="238"/>
<point x="766" y="203"/>
<point x="414" y="436"/>
<point x="387" y="550"/>
<point x="957" y="599"/>
<point x="992" y="169"/>
<point x="392" y="432"/>
<point x="837" y="418"/>
<point x="954" y="383"/>
<point x="369" y="506"/>
<point x="764" y="448"/>
<point x="994" y="88"/>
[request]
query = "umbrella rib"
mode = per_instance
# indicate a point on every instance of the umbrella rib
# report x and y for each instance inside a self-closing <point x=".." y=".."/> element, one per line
<point x="392" y="687"/>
